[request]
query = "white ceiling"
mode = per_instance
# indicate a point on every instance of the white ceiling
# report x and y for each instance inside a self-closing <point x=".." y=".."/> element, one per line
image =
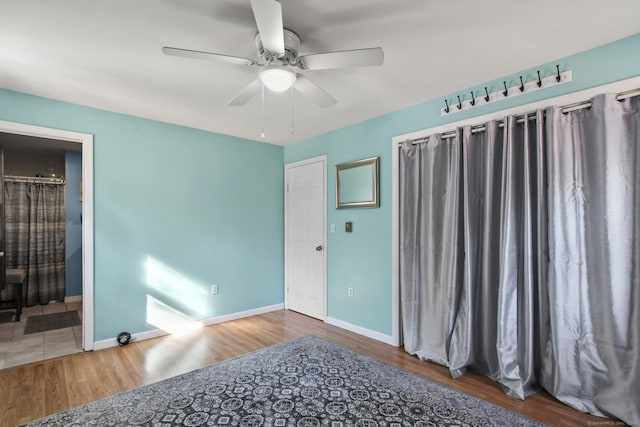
<point x="107" y="54"/>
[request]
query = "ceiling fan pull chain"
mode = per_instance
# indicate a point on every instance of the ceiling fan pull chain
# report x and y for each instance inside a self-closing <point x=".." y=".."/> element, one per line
<point x="292" y="81"/>
<point x="262" y="134"/>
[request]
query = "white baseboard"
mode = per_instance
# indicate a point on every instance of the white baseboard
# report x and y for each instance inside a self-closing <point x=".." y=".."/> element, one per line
<point x="387" y="339"/>
<point x="242" y="314"/>
<point x="74" y="298"/>
<point x="154" y="333"/>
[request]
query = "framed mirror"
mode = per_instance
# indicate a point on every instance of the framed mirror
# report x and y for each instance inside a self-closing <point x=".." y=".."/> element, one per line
<point x="357" y="184"/>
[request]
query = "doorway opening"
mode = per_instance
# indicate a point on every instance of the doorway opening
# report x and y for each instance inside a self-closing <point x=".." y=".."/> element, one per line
<point x="55" y="162"/>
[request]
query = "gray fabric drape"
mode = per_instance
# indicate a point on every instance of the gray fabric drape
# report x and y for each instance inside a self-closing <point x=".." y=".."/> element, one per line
<point x="496" y="331"/>
<point x="470" y="245"/>
<point x="431" y="245"/>
<point x="592" y="361"/>
<point x="35" y="238"/>
<point x="549" y="219"/>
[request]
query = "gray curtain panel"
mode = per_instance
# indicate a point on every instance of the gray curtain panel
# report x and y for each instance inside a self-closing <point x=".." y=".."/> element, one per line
<point x="35" y="238"/>
<point x="431" y="245"/>
<point x="546" y="290"/>
<point x="592" y="361"/>
<point x="470" y="226"/>
<point x="504" y="216"/>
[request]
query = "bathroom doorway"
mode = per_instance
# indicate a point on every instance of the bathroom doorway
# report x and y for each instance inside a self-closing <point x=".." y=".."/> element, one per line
<point x="51" y="324"/>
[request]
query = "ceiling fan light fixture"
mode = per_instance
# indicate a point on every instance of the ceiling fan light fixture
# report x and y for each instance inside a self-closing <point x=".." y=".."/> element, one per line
<point x="277" y="79"/>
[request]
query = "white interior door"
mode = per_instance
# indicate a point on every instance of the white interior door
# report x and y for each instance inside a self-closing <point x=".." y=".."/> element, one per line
<point x="305" y="205"/>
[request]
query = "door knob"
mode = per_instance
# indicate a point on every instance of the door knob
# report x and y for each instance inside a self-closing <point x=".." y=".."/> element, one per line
<point x="319" y="248"/>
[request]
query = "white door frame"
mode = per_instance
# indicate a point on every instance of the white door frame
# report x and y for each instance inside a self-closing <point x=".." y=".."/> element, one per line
<point x="323" y="160"/>
<point x="87" y="211"/>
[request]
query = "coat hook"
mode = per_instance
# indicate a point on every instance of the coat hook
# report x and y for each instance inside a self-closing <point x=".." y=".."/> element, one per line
<point x="506" y="91"/>
<point x="446" y="110"/>
<point x="521" y="85"/>
<point x="558" y="76"/>
<point x="486" y="98"/>
<point x="459" y="103"/>
<point x="473" y="99"/>
<point x="539" y="82"/>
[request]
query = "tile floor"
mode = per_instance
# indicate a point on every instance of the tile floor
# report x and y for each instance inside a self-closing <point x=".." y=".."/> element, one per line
<point x="19" y="349"/>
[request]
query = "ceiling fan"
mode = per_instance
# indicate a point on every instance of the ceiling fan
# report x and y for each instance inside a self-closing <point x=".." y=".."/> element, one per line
<point x="279" y="60"/>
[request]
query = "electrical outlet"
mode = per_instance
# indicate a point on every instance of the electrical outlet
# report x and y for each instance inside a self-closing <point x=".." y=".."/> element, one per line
<point x="214" y="289"/>
<point x="333" y="228"/>
<point x="350" y="292"/>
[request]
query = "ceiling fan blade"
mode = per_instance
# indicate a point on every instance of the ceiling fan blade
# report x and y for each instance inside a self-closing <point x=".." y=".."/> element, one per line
<point x="187" y="53"/>
<point x="313" y="91"/>
<point x="268" y="14"/>
<point x="342" y="59"/>
<point x="246" y="94"/>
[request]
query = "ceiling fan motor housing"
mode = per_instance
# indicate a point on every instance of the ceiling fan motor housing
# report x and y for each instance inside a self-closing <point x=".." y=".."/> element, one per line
<point x="291" y="48"/>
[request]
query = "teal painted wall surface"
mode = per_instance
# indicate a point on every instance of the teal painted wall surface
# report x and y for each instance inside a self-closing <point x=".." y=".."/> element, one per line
<point x="73" y="227"/>
<point x="176" y="210"/>
<point x="362" y="259"/>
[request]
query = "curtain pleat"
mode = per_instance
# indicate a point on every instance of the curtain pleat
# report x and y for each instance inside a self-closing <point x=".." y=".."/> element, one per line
<point x="35" y="239"/>
<point x="546" y="290"/>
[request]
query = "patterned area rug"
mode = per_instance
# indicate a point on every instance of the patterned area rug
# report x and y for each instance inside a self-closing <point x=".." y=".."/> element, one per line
<point x="303" y="383"/>
<point x="51" y="321"/>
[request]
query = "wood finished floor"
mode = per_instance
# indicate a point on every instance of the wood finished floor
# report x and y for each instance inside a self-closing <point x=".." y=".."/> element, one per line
<point x="32" y="391"/>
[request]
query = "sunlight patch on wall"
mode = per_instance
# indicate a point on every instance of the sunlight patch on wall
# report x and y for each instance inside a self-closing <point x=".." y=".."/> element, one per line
<point x="176" y="286"/>
<point x="169" y="319"/>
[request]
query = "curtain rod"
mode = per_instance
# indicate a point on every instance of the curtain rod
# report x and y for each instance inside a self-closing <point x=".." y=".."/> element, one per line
<point x="35" y="179"/>
<point x="520" y="118"/>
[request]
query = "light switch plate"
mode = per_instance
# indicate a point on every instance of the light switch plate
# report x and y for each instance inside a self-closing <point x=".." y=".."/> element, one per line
<point x="348" y="227"/>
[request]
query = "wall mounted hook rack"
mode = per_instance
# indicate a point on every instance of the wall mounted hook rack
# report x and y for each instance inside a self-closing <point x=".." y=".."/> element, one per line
<point x="524" y="86"/>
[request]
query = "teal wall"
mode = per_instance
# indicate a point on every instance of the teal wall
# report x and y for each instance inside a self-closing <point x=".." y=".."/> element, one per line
<point x="362" y="259"/>
<point x="73" y="227"/>
<point x="176" y="210"/>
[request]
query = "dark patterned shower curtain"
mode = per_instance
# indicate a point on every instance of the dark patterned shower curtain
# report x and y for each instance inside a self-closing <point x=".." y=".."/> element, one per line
<point x="35" y="238"/>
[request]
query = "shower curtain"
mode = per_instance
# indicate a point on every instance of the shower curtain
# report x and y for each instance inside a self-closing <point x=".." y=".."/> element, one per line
<point x="35" y="238"/>
<point x="519" y="254"/>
